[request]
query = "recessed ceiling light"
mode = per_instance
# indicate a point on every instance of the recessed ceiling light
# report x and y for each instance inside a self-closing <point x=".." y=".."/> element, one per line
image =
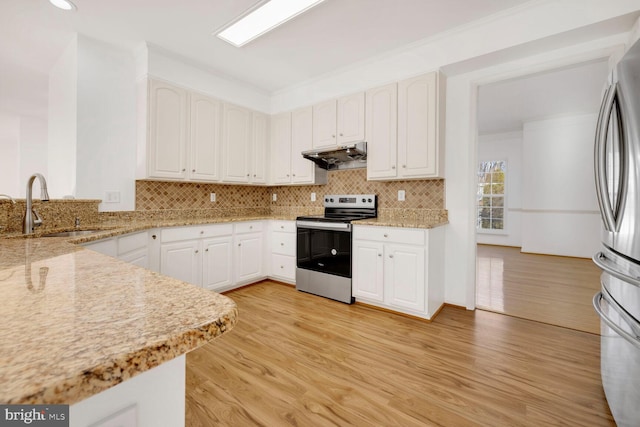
<point x="263" y="19"/>
<point x="63" y="4"/>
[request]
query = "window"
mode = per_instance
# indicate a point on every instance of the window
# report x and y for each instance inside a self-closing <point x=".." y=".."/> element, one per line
<point x="490" y="197"/>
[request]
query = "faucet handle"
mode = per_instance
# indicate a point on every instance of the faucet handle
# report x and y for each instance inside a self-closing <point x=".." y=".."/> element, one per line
<point x="37" y="221"/>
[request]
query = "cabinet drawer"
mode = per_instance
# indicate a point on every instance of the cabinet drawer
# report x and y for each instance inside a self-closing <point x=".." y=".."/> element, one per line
<point x="408" y="236"/>
<point x="283" y="243"/>
<point x="283" y="266"/>
<point x="248" y="227"/>
<point x="285" y="226"/>
<point x="188" y="233"/>
<point x="132" y="242"/>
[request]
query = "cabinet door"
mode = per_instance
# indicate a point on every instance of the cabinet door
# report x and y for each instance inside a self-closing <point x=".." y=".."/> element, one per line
<point x="302" y="170"/>
<point x="381" y="131"/>
<point x="167" y="131"/>
<point x="237" y="124"/>
<point x="350" y="122"/>
<point x="368" y="270"/>
<point x="281" y="148"/>
<point x="180" y="260"/>
<point x="324" y="124"/>
<point x="404" y="276"/>
<point x="217" y="272"/>
<point x="248" y="257"/>
<point x="260" y="137"/>
<point x="204" y="138"/>
<point x="417" y="127"/>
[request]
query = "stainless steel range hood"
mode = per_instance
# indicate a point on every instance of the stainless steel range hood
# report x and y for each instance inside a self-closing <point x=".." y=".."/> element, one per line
<point x="351" y="156"/>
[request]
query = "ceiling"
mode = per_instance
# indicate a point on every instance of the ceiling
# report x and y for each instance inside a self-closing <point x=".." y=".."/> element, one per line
<point x="330" y="36"/>
<point x="506" y="105"/>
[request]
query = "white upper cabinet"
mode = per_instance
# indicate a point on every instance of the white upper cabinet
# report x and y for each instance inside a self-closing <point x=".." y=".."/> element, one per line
<point x="339" y="122"/>
<point x="291" y="134"/>
<point x="324" y="124"/>
<point x="407" y="145"/>
<point x="167" y="137"/>
<point x="351" y="120"/>
<point x="302" y="170"/>
<point x="204" y="138"/>
<point x="281" y="148"/>
<point x="260" y="147"/>
<point x="236" y="142"/>
<point x="419" y="151"/>
<point x="381" y="131"/>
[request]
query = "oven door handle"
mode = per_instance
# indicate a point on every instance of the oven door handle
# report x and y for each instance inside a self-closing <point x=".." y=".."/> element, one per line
<point x="316" y="225"/>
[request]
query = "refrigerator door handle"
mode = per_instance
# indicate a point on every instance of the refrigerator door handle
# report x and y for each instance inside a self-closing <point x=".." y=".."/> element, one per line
<point x="609" y="213"/>
<point x="632" y="339"/>
<point x="601" y="261"/>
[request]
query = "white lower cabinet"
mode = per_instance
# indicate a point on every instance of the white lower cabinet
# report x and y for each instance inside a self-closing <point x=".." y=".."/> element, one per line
<point x="282" y="251"/>
<point x="200" y="255"/>
<point x="401" y="269"/>
<point x="248" y="259"/>
<point x="132" y="248"/>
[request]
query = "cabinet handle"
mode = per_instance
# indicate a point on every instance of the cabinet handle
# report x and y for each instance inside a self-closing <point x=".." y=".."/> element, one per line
<point x="251" y="227"/>
<point x="196" y="251"/>
<point x="247" y="175"/>
<point x="193" y="170"/>
<point x="281" y="244"/>
<point x="254" y="175"/>
<point x="341" y="135"/>
<point x="404" y="166"/>
<point x="183" y="170"/>
<point x="206" y="250"/>
<point x="282" y="266"/>
<point x="294" y="174"/>
<point x="386" y="235"/>
<point x="379" y="254"/>
<point x="333" y="136"/>
<point x="282" y="226"/>
<point x="239" y="244"/>
<point x="391" y="256"/>
<point x="287" y="175"/>
<point x="154" y="237"/>
<point x="393" y="167"/>
<point x="201" y="231"/>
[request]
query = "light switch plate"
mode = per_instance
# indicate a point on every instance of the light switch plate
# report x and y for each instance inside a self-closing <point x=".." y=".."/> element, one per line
<point x="112" y="197"/>
<point x="274" y="197"/>
<point x="212" y="197"/>
<point x="313" y="197"/>
<point x="401" y="195"/>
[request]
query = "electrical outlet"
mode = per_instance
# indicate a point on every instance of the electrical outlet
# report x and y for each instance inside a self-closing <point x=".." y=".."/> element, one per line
<point x="401" y="195"/>
<point x="112" y="197"/>
<point x="212" y="197"/>
<point x="274" y="197"/>
<point x="313" y="197"/>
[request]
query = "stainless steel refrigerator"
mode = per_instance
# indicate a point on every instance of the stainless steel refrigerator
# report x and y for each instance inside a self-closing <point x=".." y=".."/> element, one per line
<point x="617" y="172"/>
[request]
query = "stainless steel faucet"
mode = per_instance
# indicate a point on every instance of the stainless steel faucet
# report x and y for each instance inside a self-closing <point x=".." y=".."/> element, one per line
<point x="31" y="218"/>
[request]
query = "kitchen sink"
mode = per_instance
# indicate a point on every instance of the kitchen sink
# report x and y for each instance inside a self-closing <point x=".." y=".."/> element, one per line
<point x="74" y="233"/>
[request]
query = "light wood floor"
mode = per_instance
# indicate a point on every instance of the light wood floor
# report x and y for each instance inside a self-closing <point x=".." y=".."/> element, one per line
<point x="296" y="359"/>
<point x="551" y="289"/>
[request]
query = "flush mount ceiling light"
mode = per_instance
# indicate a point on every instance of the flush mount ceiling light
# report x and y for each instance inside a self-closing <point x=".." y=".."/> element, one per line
<point x="263" y="19"/>
<point x="63" y="4"/>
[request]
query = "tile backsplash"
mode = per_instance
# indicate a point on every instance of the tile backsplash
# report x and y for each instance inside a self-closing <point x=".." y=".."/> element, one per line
<point x="175" y="200"/>
<point x="157" y="195"/>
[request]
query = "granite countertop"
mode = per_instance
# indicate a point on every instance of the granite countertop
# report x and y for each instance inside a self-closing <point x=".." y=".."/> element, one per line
<point x="75" y="322"/>
<point x="402" y="222"/>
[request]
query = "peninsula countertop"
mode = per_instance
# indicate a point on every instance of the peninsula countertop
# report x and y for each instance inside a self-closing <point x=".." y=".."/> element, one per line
<point x="76" y="322"/>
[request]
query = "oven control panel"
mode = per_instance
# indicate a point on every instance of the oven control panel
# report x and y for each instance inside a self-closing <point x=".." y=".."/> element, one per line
<point x="350" y="201"/>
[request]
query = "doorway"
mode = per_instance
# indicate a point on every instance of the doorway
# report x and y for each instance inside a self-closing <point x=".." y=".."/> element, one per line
<point x="538" y="223"/>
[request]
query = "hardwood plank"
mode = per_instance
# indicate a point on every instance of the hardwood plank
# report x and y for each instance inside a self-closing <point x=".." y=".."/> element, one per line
<point x="296" y="359"/>
<point x="550" y="289"/>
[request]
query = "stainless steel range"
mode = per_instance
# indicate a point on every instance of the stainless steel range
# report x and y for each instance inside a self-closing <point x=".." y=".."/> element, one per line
<point x="323" y="262"/>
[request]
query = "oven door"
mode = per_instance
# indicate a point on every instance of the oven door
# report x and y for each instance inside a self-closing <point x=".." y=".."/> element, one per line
<point x="324" y="247"/>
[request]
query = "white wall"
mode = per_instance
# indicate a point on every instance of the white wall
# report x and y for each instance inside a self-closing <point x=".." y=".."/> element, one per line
<point x="505" y="146"/>
<point x="560" y="210"/>
<point x="9" y="154"/>
<point x="106" y="124"/>
<point x="33" y="151"/>
<point x="63" y="109"/>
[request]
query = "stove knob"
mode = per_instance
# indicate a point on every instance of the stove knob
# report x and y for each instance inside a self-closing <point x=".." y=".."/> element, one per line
<point x="364" y="200"/>
<point x="370" y="200"/>
<point x="331" y="200"/>
<point x="326" y="200"/>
